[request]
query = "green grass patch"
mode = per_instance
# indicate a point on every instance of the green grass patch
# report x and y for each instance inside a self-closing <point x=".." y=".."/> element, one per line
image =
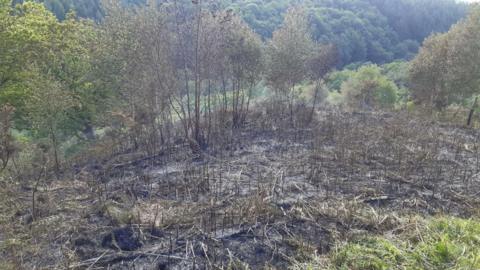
<point x="440" y="243"/>
<point x="446" y="243"/>
<point x="368" y="253"/>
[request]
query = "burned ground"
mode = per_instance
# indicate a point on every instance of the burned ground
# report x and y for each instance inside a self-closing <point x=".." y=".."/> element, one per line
<point x="267" y="197"/>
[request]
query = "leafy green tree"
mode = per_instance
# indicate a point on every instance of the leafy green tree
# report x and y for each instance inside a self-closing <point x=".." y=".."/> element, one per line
<point x="25" y="43"/>
<point x="323" y="60"/>
<point x="288" y="53"/>
<point x="463" y="55"/>
<point x="447" y="69"/>
<point x="47" y="112"/>
<point x="83" y="8"/>
<point x="428" y="73"/>
<point x="397" y="72"/>
<point x="38" y="53"/>
<point x="363" y="30"/>
<point x="367" y="88"/>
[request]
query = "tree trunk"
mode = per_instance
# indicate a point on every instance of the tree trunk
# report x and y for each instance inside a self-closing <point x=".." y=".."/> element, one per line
<point x="55" y="150"/>
<point x="89" y="132"/>
<point x="34" y="192"/>
<point x="197" y="75"/>
<point x="312" y="112"/>
<point x="472" y="111"/>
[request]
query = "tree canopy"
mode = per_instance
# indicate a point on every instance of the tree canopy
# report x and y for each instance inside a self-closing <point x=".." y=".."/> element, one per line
<point x="447" y="68"/>
<point x="363" y="30"/>
<point x="378" y="31"/>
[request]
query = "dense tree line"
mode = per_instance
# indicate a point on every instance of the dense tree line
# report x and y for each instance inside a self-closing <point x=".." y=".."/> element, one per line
<point x="363" y="30"/>
<point x="83" y="8"/>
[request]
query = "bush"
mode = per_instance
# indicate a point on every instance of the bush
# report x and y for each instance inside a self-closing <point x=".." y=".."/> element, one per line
<point x="367" y="88"/>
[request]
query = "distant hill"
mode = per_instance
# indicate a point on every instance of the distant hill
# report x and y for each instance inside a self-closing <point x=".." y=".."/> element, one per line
<point x="363" y="30"/>
<point x="378" y="31"/>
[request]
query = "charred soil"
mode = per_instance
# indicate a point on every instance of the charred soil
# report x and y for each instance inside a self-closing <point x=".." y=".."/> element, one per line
<point x="266" y="198"/>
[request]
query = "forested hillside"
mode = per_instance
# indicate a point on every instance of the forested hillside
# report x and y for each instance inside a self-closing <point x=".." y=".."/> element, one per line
<point x="363" y="30"/>
<point x="83" y="8"/>
<point x="378" y="31"/>
<point x="293" y="134"/>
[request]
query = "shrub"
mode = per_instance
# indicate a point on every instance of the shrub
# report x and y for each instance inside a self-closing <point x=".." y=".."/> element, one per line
<point x="367" y="88"/>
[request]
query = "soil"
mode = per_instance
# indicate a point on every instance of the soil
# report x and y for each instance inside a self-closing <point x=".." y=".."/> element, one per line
<point x="269" y="197"/>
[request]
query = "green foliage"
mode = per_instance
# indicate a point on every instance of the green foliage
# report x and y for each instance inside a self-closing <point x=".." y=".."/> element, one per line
<point x="47" y="109"/>
<point x="416" y="20"/>
<point x="335" y="80"/>
<point x="368" y="253"/>
<point x="397" y="72"/>
<point x="263" y="16"/>
<point x="362" y="30"/>
<point x="368" y="88"/>
<point x="447" y="243"/>
<point x="389" y="82"/>
<point x="36" y="44"/>
<point x="83" y="8"/>
<point x="440" y="243"/>
<point x="358" y="38"/>
<point x="44" y="72"/>
<point x="447" y="69"/>
<point x="293" y="57"/>
<point x="289" y="51"/>
<point x="335" y="98"/>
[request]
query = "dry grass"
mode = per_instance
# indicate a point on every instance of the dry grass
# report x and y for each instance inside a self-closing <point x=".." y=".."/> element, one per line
<point x="268" y="196"/>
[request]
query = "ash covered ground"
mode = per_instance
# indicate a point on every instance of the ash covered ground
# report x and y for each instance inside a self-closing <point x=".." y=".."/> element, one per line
<point x="268" y="197"/>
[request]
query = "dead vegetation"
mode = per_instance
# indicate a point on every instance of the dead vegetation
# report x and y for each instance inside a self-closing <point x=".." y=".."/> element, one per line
<point x="265" y="196"/>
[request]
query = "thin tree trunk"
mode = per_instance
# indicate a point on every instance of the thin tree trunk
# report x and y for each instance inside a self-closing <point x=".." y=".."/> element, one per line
<point x="317" y="89"/>
<point x="209" y="109"/>
<point x="291" y="101"/>
<point x="225" y="100"/>
<point x="34" y="192"/>
<point x="472" y="111"/>
<point x="197" y="74"/>
<point x="247" y="108"/>
<point x="55" y="150"/>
